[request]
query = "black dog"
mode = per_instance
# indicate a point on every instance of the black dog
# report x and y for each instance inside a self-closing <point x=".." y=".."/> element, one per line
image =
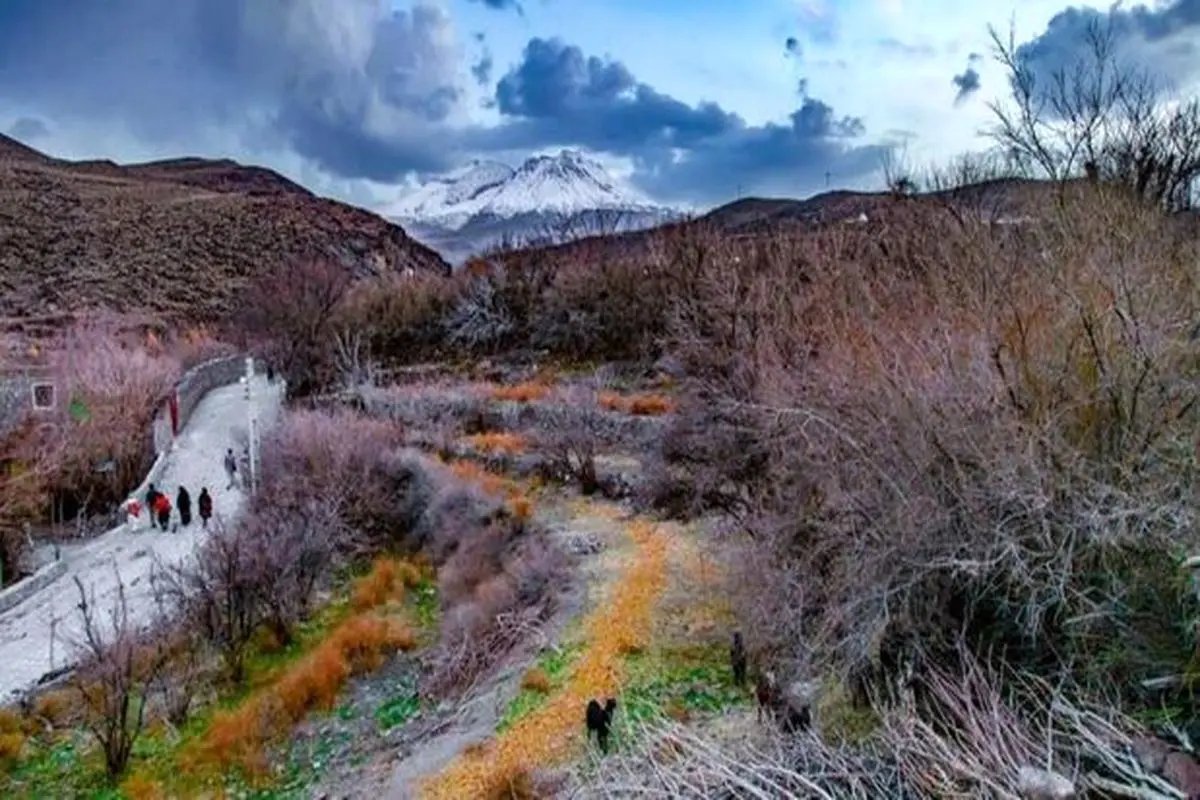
<point x="599" y="720"/>
<point x="737" y="659"/>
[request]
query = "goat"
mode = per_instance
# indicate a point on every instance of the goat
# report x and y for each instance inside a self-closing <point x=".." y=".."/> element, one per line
<point x="737" y="659"/>
<point x="599" y="720"/>
<point x="767" y="692"/>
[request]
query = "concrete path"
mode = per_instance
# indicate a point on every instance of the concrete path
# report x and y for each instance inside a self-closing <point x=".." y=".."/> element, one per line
<point x="37" y="635"/>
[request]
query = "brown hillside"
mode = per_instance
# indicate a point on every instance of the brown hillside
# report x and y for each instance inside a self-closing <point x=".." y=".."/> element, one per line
<point x="179" y="238"/>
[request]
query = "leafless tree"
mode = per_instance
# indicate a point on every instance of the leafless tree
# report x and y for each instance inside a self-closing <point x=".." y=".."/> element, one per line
<point x="294" y="547"/>
<point x="571" y="435"/>
<point x="288" y="310"/>
<point x="220" y="593"/>
<point x="352" y="361"/>
<point x="1101" y="118"/>
<point x="118" y="669"/>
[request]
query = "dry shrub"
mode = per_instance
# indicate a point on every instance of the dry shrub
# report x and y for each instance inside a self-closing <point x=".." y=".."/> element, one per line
<point x="12" y="743"/>
<point x="384" y="583"/>
<point x="639" y="405"/>
<point x="605" y="305"/>
<point x="528" y="392"/>
<point x="119" y="384"/>
<point x="536" y="680"/>
<point x="944" y="427"/>
<point x="521" y="507"/>
<point x="350" y="461"/>
<point x="489" y="482"/>
<point x="58" y="707"/>
<point x="650" y="405"/>
<point x="497" y="575"/>
<point x="140" y="787"/>
<point x="357" y="646"/>
<point x="497" y="442"/>
<point x="402" y="316"/>
<point x="12" y="736"/>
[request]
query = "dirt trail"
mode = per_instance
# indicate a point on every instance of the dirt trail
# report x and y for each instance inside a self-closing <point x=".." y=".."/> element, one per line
<point x="551" y="733"/>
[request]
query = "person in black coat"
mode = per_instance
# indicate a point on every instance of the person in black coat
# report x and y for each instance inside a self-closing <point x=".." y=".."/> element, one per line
<point x="151" y="495"/>
<point x="183" y="501"/>
<point x="205" y="506"/>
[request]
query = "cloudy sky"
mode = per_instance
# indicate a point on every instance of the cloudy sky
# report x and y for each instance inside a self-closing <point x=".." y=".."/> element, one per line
<point x="695" y="101"/>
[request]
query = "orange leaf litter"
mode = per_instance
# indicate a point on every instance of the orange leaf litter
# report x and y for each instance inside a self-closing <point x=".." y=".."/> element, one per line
<point x="551" y="732"/>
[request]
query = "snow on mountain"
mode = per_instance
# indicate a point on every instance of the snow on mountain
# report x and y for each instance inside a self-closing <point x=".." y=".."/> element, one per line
<point x="567" y="183"/>
<point x="486" y="204"/>
<point x="448" y="197"/>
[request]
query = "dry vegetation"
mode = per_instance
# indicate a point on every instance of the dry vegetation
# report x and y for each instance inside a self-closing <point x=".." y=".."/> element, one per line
<point x="181" y="238"/>
<point x="956" y="463"/>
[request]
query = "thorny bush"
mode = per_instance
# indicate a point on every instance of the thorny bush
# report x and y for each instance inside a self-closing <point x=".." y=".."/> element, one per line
<point x="940" y="426"/>
<point x="493" y="564"/>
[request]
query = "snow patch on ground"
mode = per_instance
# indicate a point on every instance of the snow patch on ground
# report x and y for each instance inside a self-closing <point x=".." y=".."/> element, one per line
<point x="36" y="636"/>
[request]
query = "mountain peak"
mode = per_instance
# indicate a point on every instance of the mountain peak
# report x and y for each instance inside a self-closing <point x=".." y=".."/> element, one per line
<point x="568" y="182"/>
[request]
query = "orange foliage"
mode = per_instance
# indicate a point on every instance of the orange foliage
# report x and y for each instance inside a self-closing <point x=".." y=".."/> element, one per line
<point x="357" y="646"/>
<point x="507" y="443"/>
<point x="536" y="680"/>
<point x="376" y="587"/>
<point x="650" y="405"/>
<point x="11" y="745"/>
<point x="56" y="707"/>
<point x="489" y="482"/>
<point x="640" y="405"/>
<point x="521" y="507"/>
<point x="139" y="787"/>
<point x="550" y="733"/>
<point x="527" y="392"/>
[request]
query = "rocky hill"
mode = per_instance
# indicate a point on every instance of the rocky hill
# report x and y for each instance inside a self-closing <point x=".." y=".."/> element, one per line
<point x="179" y="238"/>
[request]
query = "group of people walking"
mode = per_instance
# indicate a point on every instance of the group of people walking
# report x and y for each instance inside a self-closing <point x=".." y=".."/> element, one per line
<point x="158" y="505"/>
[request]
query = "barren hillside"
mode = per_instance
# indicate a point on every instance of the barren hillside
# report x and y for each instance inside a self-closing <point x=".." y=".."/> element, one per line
<point x="176" y="237"/>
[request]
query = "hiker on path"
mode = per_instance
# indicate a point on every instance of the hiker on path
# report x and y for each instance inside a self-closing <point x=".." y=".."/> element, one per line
<point x="183" y="501"/>
<point x="231" y="467"/>
<point x="205" y="504"/>
<point x="162" y="509"/>
<point x="151" y="496"/>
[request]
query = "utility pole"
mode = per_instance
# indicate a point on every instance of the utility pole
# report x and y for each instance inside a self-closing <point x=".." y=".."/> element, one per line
<point x="252" y="426"/>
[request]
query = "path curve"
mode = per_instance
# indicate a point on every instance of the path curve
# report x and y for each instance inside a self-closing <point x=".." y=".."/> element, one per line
<point x="36" y="635"/>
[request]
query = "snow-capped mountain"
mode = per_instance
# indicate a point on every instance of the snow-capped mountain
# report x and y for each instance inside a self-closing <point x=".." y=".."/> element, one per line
<point x="547" y="199"/>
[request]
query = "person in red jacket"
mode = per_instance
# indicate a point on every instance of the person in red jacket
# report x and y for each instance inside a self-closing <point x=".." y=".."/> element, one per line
<point x="162" y="509"/>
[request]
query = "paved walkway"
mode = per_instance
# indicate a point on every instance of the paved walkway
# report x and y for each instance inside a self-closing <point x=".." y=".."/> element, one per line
<point x="36" y="636"/>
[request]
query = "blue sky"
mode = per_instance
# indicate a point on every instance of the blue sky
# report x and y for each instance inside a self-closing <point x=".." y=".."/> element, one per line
<point x="693" y="101"/>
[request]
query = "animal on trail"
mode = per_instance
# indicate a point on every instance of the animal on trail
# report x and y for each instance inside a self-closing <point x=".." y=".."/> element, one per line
<point x="599" y="720"/>
<point x="737" y="659"/>
<point x="767" y="692"/>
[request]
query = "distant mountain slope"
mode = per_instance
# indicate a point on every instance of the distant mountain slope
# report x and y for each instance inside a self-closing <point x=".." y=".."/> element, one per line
<point x="548" y="198"/>
<point x="179" y="237"/>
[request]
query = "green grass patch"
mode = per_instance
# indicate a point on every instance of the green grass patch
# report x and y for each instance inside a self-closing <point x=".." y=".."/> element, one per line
<point x="677" y="681"/>
<point x="68" y="764"/>
<point x="398" y="710"/>
<point x="556" y="663"/>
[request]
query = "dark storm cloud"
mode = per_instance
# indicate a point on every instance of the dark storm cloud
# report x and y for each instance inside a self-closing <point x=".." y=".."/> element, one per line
<point x="352" y="88"/>
<point x="1161" y="39"/>
<point x="502" y="5"/>
<point x="557" y="95"/>
<point x="481" y="70"/>
<point x="967" y="81"/>
<point x="28" y="130"/>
